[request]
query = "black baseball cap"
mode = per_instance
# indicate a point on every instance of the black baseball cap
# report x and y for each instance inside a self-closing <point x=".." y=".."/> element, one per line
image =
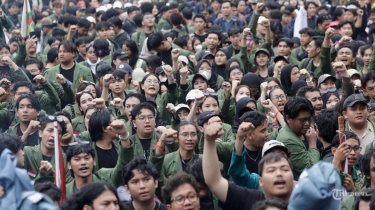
<point x="372" y="107"/>
<point x="126" y="68"/>
<point x="203" y="54"/>
<point x="120" y="54"/>
<point x="353" y="99"/>
<point x="205" y="116"/>
<point x="279" y="58"/>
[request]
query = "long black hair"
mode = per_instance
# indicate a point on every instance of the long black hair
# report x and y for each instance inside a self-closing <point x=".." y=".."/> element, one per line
<point x="132" y="46"/>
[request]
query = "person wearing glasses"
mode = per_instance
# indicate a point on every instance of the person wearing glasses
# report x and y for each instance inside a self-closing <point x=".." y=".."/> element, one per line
<point x="181" y="192"/>
<point x="354" y="180"/>
<point x="298" y="114"/>
<point x="372" y="112"/>
<point x="356" y="113"/>
<point x="40" y="159"/>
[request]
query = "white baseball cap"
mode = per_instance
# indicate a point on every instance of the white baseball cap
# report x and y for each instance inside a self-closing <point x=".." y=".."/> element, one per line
<point x="272" y="144"/>
<point x="91" y="19"/>
<point x="183" y="59"/>
<point x="117" y="4"/>
<point x="261" y="19"/>
<point x="180" y="106"/>
<point x="191" y="95"/>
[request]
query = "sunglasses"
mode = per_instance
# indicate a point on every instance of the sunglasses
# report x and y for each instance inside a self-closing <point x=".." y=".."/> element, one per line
<point x="53" y="118"/>
<point x="78" y="142"/>
<point x="83" y="91"/>
<point x="88" y="82"/>
<point x="210" y="94"/>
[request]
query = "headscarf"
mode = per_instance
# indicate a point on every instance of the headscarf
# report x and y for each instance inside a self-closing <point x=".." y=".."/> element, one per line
<point x="252" y="81"/>
<point x="286" y="71"/>
<point x="325" y="97"/>
<point x="230" y="61"/>
<point x="221" y="70"/>
<point x="297" y="85"/>
<point x="212" y="80"/>
<point x="241" y="103"/>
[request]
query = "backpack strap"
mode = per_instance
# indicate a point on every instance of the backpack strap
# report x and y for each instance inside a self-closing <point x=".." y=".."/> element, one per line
<point x="138" y="37"/>
<point x="305" y="63"/>
<point x="298" y="49"/>
<point x="235" y="21"/>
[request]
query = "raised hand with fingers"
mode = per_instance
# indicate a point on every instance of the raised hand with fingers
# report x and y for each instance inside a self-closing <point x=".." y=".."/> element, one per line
<point x="45" y="168"/>
<point x="60" y="79"/>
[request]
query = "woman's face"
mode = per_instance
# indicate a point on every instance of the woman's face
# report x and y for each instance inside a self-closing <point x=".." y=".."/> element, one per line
<point x="220" y="58"/>
<point x="92" y="90"/>
<point x="205" y="67"/>
<point x="278" y="98"/>
<point x="252" y="105"/>
<point x="151" y="85"/>
<point x="197" y="42"/>
<point x="200" y="84"/>
<point x="294" y="75"/>
<point x="211" y="105"/>
<point x="127" y="50"/>
<point x="87" y="117"/>
<point x="332" y="101"/>
<point x="187" y="137"/>
<point x="106" y="201"/>
<point x="85" y="101"/>
<point x="261" y="59"/>
<point x="243" y="91"/>
<point x="236" y="74"/>
<point x="91" y="55"/>
<point x="272" y="85"/>
<point x="118" y="61"/>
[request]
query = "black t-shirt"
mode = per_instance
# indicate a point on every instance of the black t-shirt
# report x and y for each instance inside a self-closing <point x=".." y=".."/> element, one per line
<point x="241" y="198"/>
<point x="5" y="71"/>
<point x="252" y="165"/>
<point x="186" y="162"/>
<point x="31" y="140"/>
<point x="68" y="73"/>
<point x="79" y="58"/>
<point x="128" y="205"/>
<point x="201" y="38"/>
<point x="64" y="148"/>
<point x="146" y="143"/>
<point x="120" y="39"/>
<point x="313" y="67"/>
<point x="166" y="57"/>
<point x="236" y="51"/>
<point x="107" y="158"/>
<point x="147" y="35"/>
<point x="46" y="158"/>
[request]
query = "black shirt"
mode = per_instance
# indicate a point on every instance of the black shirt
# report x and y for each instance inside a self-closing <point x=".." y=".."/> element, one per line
<point x="46" y="158"/>
<point x="166" y="57"/>
<point x="241" y="198"/>
<point x="146" y="143"/>
<point x="64" y="148"/>
<point x="186" y="162"/>
<point x="129" y="26"/>
<point x="31" y="140"/>
<point x="68" y="73"/>
<point x="252" y="165"/>
<point x="201" y="38"/>
<point x="120" y="39"/>
<point x="129" y="206"/>
<point x="5" y="71"/>
<point x="107" y="158"/>
<point x="236" y="51"/>
<point x="313" y="67"/>
<point x="79" y="58"/>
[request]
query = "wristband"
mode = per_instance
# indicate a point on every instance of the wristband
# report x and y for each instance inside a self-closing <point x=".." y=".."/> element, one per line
<point x="161" y="149"/>
<point x="124" y="139"/>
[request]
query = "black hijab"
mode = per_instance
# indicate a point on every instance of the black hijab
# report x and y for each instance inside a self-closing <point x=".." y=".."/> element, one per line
<point x="221" y="70"/>
<point x="286" y="72"/>
<point x="240" y="105"/>
<point x="325" y="97"/>
<point x="212" y="80"/>
<point x="252" y="81"/>
<point x="297" y="85"/>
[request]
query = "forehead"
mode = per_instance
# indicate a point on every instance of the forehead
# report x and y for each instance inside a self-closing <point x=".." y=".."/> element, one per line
<point x="345" y="49"/>
<point x="132" y="100"/>
<point x="146" y="112"/>
<point x="23" y="89"/>
<point x="312" y="94"/>
<point x="25" y="101"/>
<point x="212" y="35"/>
<point x="275" y="163"/>
<point x="188" y="128"/>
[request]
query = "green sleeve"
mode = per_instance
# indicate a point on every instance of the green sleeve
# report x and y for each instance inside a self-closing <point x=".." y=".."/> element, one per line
<point x="253" y="23"/>
<point x="228" y="111"/>
<point x="293" y="54"/>
<point x="333" y="53"/>
<point x="7" y="23"/>
<point x="371" y="65"/>
<point x="183" y="90"/>
<point x="53" y="97"/>
<point x="21" y="73"/>
<point x="168" y="97"/>
<point x="21" y="55"/>
<point x="325" y="62"/>
<point x="248" y="66"/>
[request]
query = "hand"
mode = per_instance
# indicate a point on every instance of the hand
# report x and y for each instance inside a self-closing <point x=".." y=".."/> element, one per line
<point x="305" y="73"/>
<point x="168" y="70"/>
<point x="170" y="108"/>
<point x="266" y="23"/>
<point x="119" y="127"/>
<point x="30" y="42"/>
<point x="339" y="66"/>
<point x="99" y="103"/>
<point x="135" y="85"/>
<point x="277" y="68"/>
<point x="369" y="22"/>
<point x="2" y="192"/>
<point x="215" y="119"/>
<point x="199" y="98"/>
<point x="60" y="78"/>
<point x="192" y="59"/>
<point x="6" y="59"/>
<point x="263" y="86"/>
<point x="107" y="80"/>
<point x="226" y="86"/>
<point x="73" y="28"/>
<point x="360" y="12"/>
<point x="348" y="183"/>
<point x="258" y="8"/>
<point x="268" y="104"/>
<point x="40" y="79"/>
<point x="117" y="103"/>
<point x="357" y="84"/>
<point x="244" y="129"/>
<point x="184" y="72"/>
<point x="17" y="33"/>
<point x="345" y="39"/>
<point x="5" y="83"/>
<point x="213" y="132"/>
<point x="33" y="126"/>
<point x="246" y="32"/>
<point x="341" y="152"/>
<point x="45" y="168"/>
<point x="175" y="53"/>
<point x="330" y="32"/>
<point x="169" y="135"/>
<point x="160" y="129"/>
<point x="2" y="92"/>
<point x="311" y="136"/>
<point x="210" y="90"/>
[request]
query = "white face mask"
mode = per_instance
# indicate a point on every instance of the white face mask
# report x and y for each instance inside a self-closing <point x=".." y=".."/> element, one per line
<point x="207" y="74"/>
<point x="198" y="48"/>
<point x="164" y="79"/>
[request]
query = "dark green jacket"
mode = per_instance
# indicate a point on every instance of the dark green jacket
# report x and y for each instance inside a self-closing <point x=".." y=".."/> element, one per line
<point x="325" y="60"/>
<point x="139" y="38"/>
<point x="300" y="157"/>
<point x="162" y="100"/>
<point x="78" y="124"/>
<point x="162" y="22"/>
<point x="5" y="23"/>
<point x="227" y="137"/>
<point x="72" y="111"/>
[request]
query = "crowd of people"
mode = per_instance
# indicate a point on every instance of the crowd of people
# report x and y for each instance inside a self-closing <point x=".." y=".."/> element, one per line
<point x="202" y="104"/>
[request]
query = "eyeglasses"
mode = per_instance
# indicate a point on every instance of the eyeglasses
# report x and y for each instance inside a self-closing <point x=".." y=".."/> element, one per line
<point x="143" y="118"/>
<point x="186" y="135"/>
<point x="22" y="93"/>
<point x="211" y="94"/>
<point x="83" y="91"/>
<point x="88" y="82"/>
<point x="305" y="120"/>
<point x="272" y="87"/>
<point x="355" y="148"/>
<point x="236" y="74"/>
<point x="275" y="98"/>
<point x="227" y="42"/>
<point x="149" y="82"/>
<point x="192" y="197"/>
<point x="78" y="142"/>
<point x="58" y="119"/>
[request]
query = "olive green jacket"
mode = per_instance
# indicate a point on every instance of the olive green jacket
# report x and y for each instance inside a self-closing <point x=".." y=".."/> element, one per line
<point x="5" y="23"/>
<point x="139" y="38"/>
<point x="170" y="96"/>
<point x="78" y="124"/>
<point x="162" y="22"/>
<point x="325" y="61"/>
<point x="227" y="137"/>
<point x="72" y="111"/>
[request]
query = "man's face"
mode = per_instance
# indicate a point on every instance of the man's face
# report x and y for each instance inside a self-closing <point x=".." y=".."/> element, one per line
<point x="266" y="12"/>
<point x="117" y="85"/>
<point x="327" y="84"/>
<point x="47" y="136"/>
<point x="305" y="39"/>
<point x="286" y="19"/>
<point x="148" y="20"/>
<point x="346" y="30"/>
<point x="167" y="14"/>
<point x="316" y="100"/>
<point x="241" y="7"/>
<point x="129" y="106"/>
<point x="367" y="56"/>
<point x="357" y="114"/>
<point x="277" y="179"/>
<point x="348" y="15"/>
<point x="26" y="112"/>
<point x="33" y="69"/>
<point x="57" y="10"/>
<point x="283" y="49"/>
<point x="13" y="47"/>
<point x="102" y="33"/>
<point x="234" y="11"/>
<point x="20" y="91"/>
<point x="312" y="50"/>
<point x="132" y="14"/>
<point x="301" y="124"/>
<point x="212" y="41"/>
<point x="182" y="114"/>
<point x="345" y="55"/>
<point x="226" y="10"/>
<point x="64" y="55"/>
<point x="235" y="39"/>
<point x="188" y="195"/>
<point x="370" y="88"/>
<point x="373" y="17"/>
<point x="199" y="24"/>
<point x="144" y="122"/>
<point x="82" y="31"/>
<point x="215" y="5"/>
<point x="324" y="26"/>
<point x="141" y="186"/>
<point x="259" y="136"/>
<point x="82" y="165"/>
<point x="82" y="49"/>
<point x="311" y="10"/>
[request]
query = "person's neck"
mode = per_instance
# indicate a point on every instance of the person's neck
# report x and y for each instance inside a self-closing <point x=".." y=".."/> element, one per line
<point x="50" y="65"/>
<point x="216" y="11"/>
<point x="236" y="47"/>
<point x="213" y="50"/>
<point x="325" y="144"/>
<point x="263" y="71"/>
<point x="350" y="170"/>
<point x="119" y="95"/>
<point x="24" y="126"/>
<point x="186" y="154"/>
<point x="359" y="128"/>
<point x="226" y="17"/>
<point x="151" y="96"/>
<point x="32" y="54"/>
<point x="120" y="31"/>
<point x="104" y="143"/>
<point x="144" y="205"/>
<point x="249" y="146"/>
<point x="304" y="47"/>
<point x="261" y="35"/>
<point x="284" y="198"/>
<point x="200" y="32"/>
<point x="316" y="60"/>
<point x="145" y="135"/>
<point x="47" y="152"/>
<point x="188" y="22"/>
<point x="149" y="29"/>
<point x="82" y="181"/>
<point x="67" y="65"/>
<point x="83" y="56"/>
<point x="66" y="142"/>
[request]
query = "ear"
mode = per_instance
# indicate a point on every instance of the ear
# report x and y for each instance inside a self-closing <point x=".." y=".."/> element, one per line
<point x="201" y="129"/>
<point x="127" y="188"/>
<point x="156" y="183"/>
<point x="249" y="136"/>
<point x="38" y="114"/>
<point x="318" y="50"/>
<point x="40" y="133"/>
<point x="87" y="207"/>
<point x="133" y="124"/>
<point x="288" y="119"/>
<point x="142" y="86"/>
<point x="200" y="109"/>
<point x="344" y="113"/>
<point x="69" y="166"/>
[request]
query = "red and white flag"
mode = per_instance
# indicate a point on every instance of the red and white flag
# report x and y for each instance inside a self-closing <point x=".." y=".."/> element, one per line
<point x="59" y="165"/>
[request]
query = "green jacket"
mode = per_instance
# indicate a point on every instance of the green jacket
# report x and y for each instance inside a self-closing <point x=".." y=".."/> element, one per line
<point x="371" y="65"/>
<point x="5" y="23"/>
<point x="227" y="137"/>
<point x="300" y="157"/>
<point x="348" y="202"/>
<point x="253" y="26"/>
<point x="80" y="73"/>
<point x="114" y="144"/>
<point x="185" y="53"/>
<point x="139" y="38"/>
<point x="78" y="124"/>
<point x="325" y="60"/>
<point x="109" y="175"/>
<point x="33" y="157"/>
<point x="72" y="111"/>
<point x="162" y="100"/>
<point x="48" y="98"/>
<point x="294" y="55"/>
<point x="358" y="178"/>
<point x="161" y="23"/>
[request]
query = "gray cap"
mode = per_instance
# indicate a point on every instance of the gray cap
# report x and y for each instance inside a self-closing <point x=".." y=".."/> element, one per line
<point x="353" y="99"/>
<point x="324" y="77"/>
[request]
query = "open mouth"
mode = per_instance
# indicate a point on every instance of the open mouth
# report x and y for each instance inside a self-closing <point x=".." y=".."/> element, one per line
<point x="84" y="169"/>
<point x="51" y="142"/>
<point x="280" y="183"/>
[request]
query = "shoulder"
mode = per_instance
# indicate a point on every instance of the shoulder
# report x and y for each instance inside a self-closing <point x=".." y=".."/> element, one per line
<point x="82" y="67"/>
<point x="52" y="70"/>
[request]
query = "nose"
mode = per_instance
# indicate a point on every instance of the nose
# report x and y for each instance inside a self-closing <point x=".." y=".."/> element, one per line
<point x="187" y="202"/>
<point x="141" y="184"/>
